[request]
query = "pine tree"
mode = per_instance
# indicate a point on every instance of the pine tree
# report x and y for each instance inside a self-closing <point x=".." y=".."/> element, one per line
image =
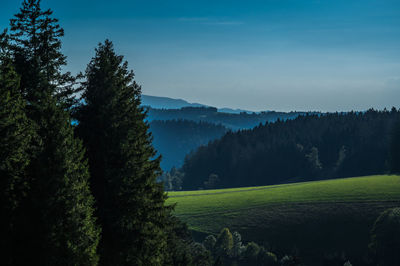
<point x="57" y="217"/>
<point x="395" y="149"/>
<point x="131" y="206"/>
<point x="36" y="44"/>
<point x="15" y="135"/>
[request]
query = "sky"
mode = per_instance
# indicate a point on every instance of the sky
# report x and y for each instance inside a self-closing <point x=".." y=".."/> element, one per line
<point x="284" y="55"/>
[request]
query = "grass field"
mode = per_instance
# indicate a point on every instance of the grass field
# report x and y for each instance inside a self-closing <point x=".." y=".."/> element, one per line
<point x="310" y="217"/>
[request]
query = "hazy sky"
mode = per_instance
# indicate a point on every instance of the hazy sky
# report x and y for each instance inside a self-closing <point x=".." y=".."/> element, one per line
<point x="257" y="55"/>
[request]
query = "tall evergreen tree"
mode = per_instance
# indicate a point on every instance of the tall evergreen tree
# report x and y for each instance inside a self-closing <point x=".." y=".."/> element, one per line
<point x="131" y="206"/>
<point x="59" y="226"/>
<point x="15" y="135"/>
<point x="36" y="44"/>
<point x="395" y="149"/>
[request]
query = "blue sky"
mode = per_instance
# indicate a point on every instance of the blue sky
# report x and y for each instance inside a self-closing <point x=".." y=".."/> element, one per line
<point x="258" y="55"/>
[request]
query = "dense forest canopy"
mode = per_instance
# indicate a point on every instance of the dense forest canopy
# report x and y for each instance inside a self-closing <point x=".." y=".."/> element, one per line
<point x="309" y="147"/>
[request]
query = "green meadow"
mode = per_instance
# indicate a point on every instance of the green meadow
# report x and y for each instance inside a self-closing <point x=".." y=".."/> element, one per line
<point x="315" y="217"/>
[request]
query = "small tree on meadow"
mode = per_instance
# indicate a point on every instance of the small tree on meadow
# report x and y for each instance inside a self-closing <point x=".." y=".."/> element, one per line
<point x="395" y="149"/>
<point x="224" y="244"/>
<point x="385" y="238"/>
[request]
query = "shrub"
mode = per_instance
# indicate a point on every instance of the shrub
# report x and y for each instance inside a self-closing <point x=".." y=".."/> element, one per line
<point x="267" y="258"/>
<point x="209" y="242"/>
<point x="385" y="238"/>
<point x="224" y="244"/>
<point x="252" y="250"/>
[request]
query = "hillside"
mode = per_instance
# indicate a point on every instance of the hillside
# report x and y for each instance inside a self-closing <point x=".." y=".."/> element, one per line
<point x="174" y="139"/>
<point x="177" y="132"/>
<point x="332" y="145"/>
<point x="312" y="217"/>
<point x="233" y="121"/>
<point x="158" y="102"/>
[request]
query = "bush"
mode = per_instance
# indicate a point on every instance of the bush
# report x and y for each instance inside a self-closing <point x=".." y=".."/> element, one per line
<point x="209" y="242"/>
<point x="385" y="238"/>
<point x="252" y="250"/>
<point x="238" y="248"/>
<point x="224" y="244"/>
<point x="267" y="258"/>
<point x="200" y="255"/>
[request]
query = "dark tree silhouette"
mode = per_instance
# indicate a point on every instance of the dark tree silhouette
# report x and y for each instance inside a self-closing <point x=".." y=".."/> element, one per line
<point x="57" y="223"/>
<point x="130" y="203"/>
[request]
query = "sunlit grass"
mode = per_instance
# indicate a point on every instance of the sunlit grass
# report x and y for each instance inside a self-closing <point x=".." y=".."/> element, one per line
<point x="370" y="188"/>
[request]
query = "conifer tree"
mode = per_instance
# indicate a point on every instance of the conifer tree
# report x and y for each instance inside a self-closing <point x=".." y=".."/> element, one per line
<point x="57" y="217"/>
<point x="130" y="206"/>
<point x="36" y="44"/>
<point x="395" y="149"/>
<point x="15" y="136"/>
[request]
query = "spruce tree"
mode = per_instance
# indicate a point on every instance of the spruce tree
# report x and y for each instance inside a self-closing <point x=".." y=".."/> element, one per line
<point x="15" y="139"/>
<point x="57" y="217"/>
<point x="130" y="206"/>
<point x="36" y="44"/>
<point x="395" y="149"/>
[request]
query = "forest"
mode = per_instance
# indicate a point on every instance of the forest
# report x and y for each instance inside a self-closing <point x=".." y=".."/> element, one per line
<point x="310" y="147"/>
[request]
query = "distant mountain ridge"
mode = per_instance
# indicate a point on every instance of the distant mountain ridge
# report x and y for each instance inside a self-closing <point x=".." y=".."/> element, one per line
<point x="158" y="102"/>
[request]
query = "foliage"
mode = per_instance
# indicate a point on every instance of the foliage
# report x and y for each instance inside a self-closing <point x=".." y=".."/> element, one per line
<point x="173" y="179"/>
<point x="212" y="181"/>
<point x="252" y="250"/>
<point x="223" y="246"/>
<point x="209" y="242"/>
<point x="395" y="149"/>
<point x="267" y="258"/>
<point x="16" y="136"/>
<point x="130" y="203"/>
<point x="385" y="238"/>
<point x="200" y="255"/>
<point x="307" y="148"/>
<point x="36" y="45"/>
<point x="289" y="261"/>
<point x="56" y="220"/>
<point x="238" y="247"/>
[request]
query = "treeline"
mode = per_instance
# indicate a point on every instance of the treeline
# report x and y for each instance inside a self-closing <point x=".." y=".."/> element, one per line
<point x="174" y="139"/>
<point x="211" y="115"/>
<point x="76" y="195"/>
<point x="309" y="147"/>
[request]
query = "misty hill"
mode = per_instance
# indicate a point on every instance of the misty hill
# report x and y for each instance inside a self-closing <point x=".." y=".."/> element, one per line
<point x="177" y="132"/>
<point x="174" y="139"/>
<point x="166" y="103"/>
<point x="158" y="102"/>
<point x="212" y="115"/>
<point x="307" y="148"/>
